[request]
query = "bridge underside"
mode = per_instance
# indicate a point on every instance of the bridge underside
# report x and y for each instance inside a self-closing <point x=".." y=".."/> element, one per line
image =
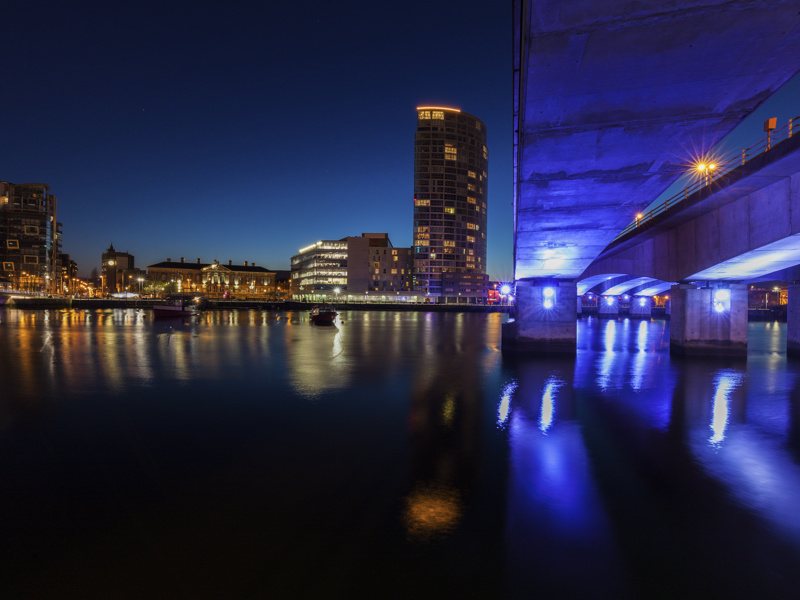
<point x="611" y="106"/>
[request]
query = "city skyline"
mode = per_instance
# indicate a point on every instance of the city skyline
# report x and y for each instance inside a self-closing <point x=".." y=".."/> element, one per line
<point x="245" y="133"/>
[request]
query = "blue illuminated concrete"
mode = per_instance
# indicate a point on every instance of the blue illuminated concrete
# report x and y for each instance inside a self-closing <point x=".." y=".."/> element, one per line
<point x="641" y="307"/>
<point x="739" y="228"/>
<point x="697" y="328"/>
<point x="608" y="307"/>
<point x="793" y="321"/>
<point x="613" y="99"/>
<point x="543" y="323"/>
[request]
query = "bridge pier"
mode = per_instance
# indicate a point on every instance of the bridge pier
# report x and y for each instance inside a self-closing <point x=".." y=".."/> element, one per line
<point x="641" y="307"/>
<point x="608" y="307"/>
<point x="708" y="321"/>
<point x="545" y="320"/>
<point x="793" y="321"/>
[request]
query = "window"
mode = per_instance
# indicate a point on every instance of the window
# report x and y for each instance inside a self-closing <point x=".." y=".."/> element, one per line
<point x="424" y="114"/>
<point x="8" y="266"/>
<point x="31" y="260"/>
<point x="13" y="244"/>
<point x="450" y="210"/>
<point x="437" y="114"/>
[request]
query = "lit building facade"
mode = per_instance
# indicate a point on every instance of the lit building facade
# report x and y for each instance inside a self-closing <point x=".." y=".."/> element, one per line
<point x="30" y="237"/>
<point x="352" y="268"/>
<point x="215" y="280"/>
<point x="451" y="165"/>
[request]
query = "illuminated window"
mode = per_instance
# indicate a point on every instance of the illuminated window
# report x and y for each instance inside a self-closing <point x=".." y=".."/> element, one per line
<point x="437" y="114"/>
<point x="471" y="200"/>
<point x="471" y="174"/>
<point x="450" y="152"/>
<point x="485" y="152"/>
<point x="449" y="210"/>
<point x="394" y="271"/>
<point x="471" y="187"/>
<point x="424" y="114"/>
<point x="471" y="226"/>
<point x="450" y="243"/>
<point x="423" y="202"/>
<point x="471" y="239"/>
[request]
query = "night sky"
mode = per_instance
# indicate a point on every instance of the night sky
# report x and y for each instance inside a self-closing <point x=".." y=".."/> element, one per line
<point x="245" y="131"/>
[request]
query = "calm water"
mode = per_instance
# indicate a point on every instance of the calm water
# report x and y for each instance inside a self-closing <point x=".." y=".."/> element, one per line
<point x="400" y="455"/>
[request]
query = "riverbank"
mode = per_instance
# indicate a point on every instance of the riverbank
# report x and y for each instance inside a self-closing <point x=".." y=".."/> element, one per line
<point x="39" y="303"/>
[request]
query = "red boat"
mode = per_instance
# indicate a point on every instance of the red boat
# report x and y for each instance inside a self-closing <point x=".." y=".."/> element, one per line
<point x="323" y="315"/>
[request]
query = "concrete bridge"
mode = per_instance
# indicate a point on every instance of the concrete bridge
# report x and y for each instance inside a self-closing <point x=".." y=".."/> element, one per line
<point x="613" y="102"/>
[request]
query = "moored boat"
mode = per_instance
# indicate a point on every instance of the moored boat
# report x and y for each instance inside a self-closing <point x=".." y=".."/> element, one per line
<point x="177" y="306"/>
<point x="322" y="315"/>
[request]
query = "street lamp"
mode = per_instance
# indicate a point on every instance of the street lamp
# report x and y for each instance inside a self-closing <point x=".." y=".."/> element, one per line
<point x="707" y="170"/>
<point x="140" y="280"/>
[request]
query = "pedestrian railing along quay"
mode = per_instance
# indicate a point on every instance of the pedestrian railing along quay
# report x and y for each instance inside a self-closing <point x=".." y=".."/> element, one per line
<point x="712" y="167"/>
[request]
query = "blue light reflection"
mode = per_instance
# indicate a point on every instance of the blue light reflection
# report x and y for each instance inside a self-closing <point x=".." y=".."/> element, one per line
<point x="724" y="383"/>
<point x="548" y="402"/>
<point x="504" y="408"/>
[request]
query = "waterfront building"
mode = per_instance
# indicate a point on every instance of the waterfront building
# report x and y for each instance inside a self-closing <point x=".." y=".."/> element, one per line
<point x="214" y="279"/>
<point x="30" y="236"/>
<point x="119" y="273"/>
<point x="351" y="268"/>
<point x="68" y="275"/>
<point x="451" y="164"/>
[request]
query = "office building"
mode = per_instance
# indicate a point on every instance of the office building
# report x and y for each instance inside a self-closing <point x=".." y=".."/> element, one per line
<point x="451" y="163"/>
<point x="352" y="268"/>
<point x="30" y="237"/>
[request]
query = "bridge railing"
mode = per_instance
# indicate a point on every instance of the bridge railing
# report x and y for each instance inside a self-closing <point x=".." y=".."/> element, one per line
<point x="713" y="168"/>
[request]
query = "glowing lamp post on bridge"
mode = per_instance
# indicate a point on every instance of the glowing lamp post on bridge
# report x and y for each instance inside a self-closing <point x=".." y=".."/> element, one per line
<point x="707" y="171"/>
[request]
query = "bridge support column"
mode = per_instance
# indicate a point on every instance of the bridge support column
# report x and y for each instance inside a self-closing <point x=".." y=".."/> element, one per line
<point x="708" y="321"/>
<point x="608" y="307"/>
<point x="793" y="321"/>
<point x="641" y="307"/>
<point x="546" y="318"/>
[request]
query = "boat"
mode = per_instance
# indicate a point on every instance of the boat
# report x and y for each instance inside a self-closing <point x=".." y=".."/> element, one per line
<point x="177" y="306"/>
<point x="323" y="315"/>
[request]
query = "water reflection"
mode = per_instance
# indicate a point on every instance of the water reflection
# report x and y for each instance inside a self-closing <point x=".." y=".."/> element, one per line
<point x="617" y="468"/>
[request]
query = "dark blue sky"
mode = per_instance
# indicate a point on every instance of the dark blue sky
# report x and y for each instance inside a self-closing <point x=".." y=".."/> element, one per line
<point x="233" y="131"/>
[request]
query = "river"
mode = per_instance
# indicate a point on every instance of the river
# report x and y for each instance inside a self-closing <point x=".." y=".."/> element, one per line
<point x="252" y="454"/>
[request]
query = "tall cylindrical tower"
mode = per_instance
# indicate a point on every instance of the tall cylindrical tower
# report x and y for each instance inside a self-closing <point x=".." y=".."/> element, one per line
<point x="451" y="164"/>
